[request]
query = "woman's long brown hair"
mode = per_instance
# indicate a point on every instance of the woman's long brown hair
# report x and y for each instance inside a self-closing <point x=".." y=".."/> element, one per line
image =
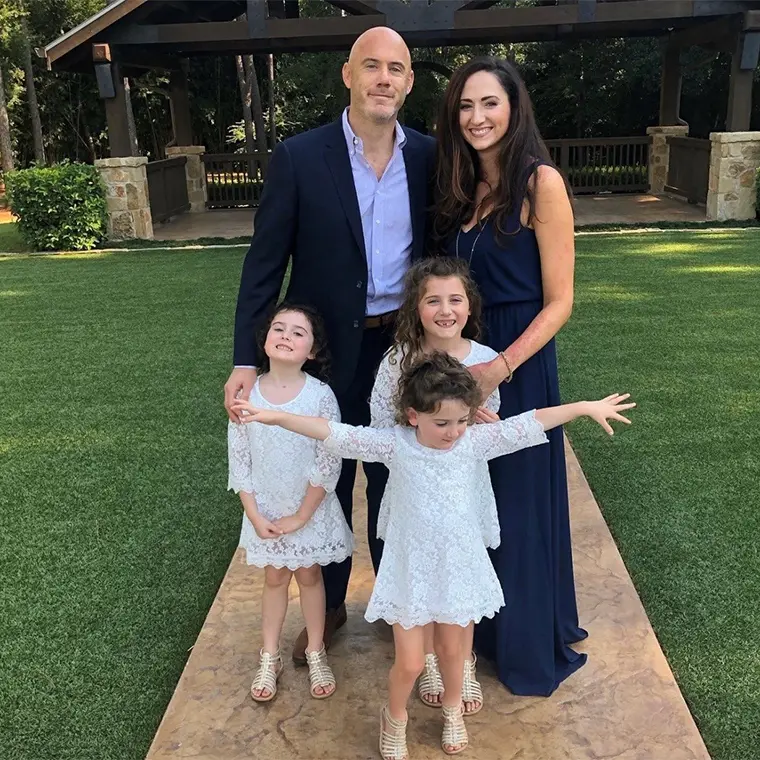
<point x="458" y="172"/>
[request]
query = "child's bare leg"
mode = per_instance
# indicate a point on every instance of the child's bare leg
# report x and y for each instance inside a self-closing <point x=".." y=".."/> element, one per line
<point x="274" y="606"/>
<point x="407" y="665"/>
<point x="450" y="647"/>
<point x="470" y="707"/>
<point x="430" y="697"/>
<point x="312" y="590"/>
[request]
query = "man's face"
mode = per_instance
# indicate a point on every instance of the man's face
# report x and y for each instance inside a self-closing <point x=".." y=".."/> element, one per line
<point x="379" y="75"/>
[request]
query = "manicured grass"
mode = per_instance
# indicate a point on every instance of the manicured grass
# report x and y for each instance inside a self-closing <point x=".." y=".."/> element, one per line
<point x="116" y="525"/>
<point x="675" y="319"/>
<point x="10" y="238"/>
<point x="117" y="529"/>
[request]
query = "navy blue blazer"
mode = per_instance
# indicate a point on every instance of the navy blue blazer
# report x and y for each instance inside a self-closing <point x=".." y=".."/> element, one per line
<point x="309" y="214"/>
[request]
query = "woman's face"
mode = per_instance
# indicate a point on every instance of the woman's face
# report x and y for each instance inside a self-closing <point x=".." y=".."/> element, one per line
<point x="484" y="111"/>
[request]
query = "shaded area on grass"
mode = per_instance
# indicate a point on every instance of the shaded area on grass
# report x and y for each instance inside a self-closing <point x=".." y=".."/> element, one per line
<point x="675" y="319"/>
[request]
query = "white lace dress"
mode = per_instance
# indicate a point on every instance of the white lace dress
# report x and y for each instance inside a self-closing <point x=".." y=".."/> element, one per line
<point x="383" y="413"/>
<point x="435" y="566"/>
<point x="277" y="466"/>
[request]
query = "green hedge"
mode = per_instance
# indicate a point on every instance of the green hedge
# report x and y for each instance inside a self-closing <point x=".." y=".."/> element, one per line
<point x="59" y="207"/>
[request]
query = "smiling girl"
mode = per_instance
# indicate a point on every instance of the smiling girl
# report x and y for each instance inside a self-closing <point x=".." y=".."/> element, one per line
<point x="293" y="522"/>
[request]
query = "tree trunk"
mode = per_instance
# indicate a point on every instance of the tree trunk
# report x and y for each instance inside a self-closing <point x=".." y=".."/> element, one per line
<point x="256" y="105"/>
<point x="6" y="148"/>
<point x="244" y="83"/>
<point x="272" y="120"/>
<point x="31" y="93"/>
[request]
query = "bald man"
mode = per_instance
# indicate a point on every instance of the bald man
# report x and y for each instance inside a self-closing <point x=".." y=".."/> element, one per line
<point x="346" y="204"/>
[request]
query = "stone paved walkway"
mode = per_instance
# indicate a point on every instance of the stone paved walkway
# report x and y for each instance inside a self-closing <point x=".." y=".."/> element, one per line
<point x="623" y="705"/>
<point x="589" y="209"/>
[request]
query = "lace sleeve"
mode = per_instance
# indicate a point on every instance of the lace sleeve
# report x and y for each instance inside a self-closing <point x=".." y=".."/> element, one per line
<point x="239" y="456"/>
<point x="506" y="437"/>
<point x="364" y="443"/>
<point x="381" y="404"/>
<point x="493" y="402"/>
<point x="326" y="469"/>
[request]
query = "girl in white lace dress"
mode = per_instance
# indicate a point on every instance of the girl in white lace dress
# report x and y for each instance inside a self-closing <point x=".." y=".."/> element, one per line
<point x="293" y="522"/>
<point x="435" y="566"/>
<point x="440" y="312"/>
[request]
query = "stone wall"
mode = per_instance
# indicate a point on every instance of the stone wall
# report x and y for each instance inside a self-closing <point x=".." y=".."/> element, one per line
<point x="734" y="160"/>
<point x="659" y="155"/>
<point x="126" y="182"/>
<point x="195" y="174"/>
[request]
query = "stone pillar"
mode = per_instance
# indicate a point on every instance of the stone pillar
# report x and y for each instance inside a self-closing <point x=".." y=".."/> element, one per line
<point x="659" y="155"/>
<point x="126" y="182"/>
<point x="734" y="161"/>
<point x="195" y="174"/>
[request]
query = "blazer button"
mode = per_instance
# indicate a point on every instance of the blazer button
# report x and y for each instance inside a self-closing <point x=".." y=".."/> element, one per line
<point x="356" y="323"/>
<point x="359" y="283"/>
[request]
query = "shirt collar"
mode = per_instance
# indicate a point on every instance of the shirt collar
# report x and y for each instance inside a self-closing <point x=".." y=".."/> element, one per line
<point x="355" y="144"/>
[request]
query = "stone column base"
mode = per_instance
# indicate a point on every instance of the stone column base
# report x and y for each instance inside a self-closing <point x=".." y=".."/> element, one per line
<point x="659" y="155"/>
<point x="734" y="161"/>
<point x="195" y="174"/>
<point x="126" y="182"/>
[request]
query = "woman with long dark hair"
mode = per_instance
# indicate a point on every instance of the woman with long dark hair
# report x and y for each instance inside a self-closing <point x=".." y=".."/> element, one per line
<point x="504" y="207"/>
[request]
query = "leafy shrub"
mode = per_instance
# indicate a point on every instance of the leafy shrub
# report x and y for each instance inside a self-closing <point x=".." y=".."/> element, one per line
<point x="59" y="207"/>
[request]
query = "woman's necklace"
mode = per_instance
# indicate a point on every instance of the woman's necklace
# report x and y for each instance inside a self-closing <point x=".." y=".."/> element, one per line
<point x="474" y="242"/>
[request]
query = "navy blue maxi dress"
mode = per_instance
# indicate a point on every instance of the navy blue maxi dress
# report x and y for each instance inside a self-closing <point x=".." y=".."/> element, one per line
<point x="529" y="638"/>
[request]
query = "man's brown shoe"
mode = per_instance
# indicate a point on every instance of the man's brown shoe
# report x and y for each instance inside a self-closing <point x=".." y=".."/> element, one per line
<point x="334" y="619"/>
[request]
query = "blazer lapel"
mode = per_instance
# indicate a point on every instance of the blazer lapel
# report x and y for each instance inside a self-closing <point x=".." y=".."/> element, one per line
<point x="414" y="160"/>
<point x="336" y="155"/>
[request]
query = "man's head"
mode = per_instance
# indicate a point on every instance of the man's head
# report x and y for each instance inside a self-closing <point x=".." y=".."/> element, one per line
<point x="379" y="74"/>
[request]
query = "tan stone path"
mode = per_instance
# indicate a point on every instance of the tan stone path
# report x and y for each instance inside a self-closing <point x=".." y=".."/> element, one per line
<point x="623" y="705"/>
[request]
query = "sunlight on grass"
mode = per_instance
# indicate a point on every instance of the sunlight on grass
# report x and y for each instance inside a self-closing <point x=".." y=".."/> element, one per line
<point x="13" y="293"/>
<point x="720" y="269"/>
<point x="608" y="292"/>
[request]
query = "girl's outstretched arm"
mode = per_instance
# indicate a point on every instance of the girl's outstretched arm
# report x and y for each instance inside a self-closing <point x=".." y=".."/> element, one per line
<point x="608" y="408"/>
<point x="311" y="427"/>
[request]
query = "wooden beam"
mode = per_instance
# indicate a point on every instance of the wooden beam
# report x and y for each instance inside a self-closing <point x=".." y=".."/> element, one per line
<point x="719" y="34"/>
<point x="117" y="117"/>
<point x="87" y="30"/>
<point x="739" y="110"/>
<point x="355" y="7"/>
<point x="179" y="101"/>
<point x="670" y="85"/>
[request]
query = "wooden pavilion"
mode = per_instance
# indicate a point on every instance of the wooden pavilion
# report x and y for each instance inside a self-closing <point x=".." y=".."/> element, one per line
<point x="129" y="36"/>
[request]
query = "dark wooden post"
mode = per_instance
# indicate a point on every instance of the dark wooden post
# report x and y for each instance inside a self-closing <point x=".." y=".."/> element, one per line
<point x="670" y="86"/>
<point x="743" y="63"/>
<point x="179" y="101"/>
<point x="111" y="90"/>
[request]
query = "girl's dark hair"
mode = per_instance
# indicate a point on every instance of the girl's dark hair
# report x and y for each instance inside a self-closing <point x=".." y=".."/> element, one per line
<point x="522" y="150"/>
<point x="319" y="366"/>
<point x="409" y="333"/>
<point x="433" y="379"/>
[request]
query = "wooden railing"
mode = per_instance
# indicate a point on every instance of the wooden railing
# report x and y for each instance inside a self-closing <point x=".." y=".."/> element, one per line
<point x="235" y="179"/>
<point x="167" y="187"/>
<point x="689" y="168"/>
<point x="612" y="164"/>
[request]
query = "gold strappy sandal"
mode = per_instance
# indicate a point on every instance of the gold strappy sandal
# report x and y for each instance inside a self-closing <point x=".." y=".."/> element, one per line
<point x="392" y="737"/>
<point x="320" y="673"/>
<point x="270" y="668"/>
<point x="430" y="683"/>
<point x="454" y="731"/>
<point x="471" y="691"/>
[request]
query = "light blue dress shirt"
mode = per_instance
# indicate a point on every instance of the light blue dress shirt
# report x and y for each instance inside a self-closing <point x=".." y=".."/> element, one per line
<point x="386" y="221"/>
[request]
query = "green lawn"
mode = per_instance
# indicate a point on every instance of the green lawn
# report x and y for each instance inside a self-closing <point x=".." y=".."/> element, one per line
<point x="117" y="529"/>
<point x="10" y="238"/>
<point x="675" y="319"/>
<point x="115" y="521"/>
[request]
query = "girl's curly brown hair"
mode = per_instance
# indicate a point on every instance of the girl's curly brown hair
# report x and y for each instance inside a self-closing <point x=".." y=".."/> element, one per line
<point x="319" y="366"/>
<point x="409" y="333"/>
<point x="432" y="379"/>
